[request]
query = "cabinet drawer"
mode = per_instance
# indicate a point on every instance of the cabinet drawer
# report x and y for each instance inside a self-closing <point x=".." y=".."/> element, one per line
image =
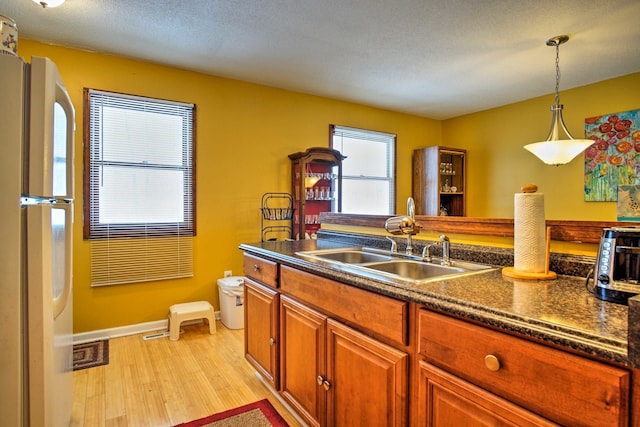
<point x="384" y="316"/>
<point x="261" y="269"/>
<point x="562" y="387"/>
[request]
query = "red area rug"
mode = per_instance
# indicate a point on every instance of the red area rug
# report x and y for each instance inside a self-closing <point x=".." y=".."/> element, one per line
<point x="256" y="414"/>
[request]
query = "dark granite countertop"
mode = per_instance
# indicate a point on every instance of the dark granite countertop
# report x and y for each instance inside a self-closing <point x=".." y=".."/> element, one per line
<point x="560" y="312"/>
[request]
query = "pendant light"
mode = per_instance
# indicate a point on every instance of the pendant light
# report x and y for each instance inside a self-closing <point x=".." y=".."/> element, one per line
<point x="559" y="147"/>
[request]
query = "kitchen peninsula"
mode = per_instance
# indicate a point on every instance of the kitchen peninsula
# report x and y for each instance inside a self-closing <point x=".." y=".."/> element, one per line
<point x="475" y="347"/>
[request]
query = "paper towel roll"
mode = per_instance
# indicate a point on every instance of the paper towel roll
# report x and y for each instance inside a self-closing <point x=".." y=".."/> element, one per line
<point x="529" y="233"/>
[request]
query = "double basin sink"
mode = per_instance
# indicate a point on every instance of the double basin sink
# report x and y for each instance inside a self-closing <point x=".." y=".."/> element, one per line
<point x="374" y="263"/>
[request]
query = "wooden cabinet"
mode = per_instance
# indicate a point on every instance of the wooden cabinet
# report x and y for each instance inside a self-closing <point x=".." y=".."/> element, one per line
<point x="341" y="355"/>
<point x="333" y="374"/>
<point x="439" y="181"/>
<point x="367" y="380"/>
<point x="260" y="269"/>
<point x="316" y="186"/>
<point x="380" y="316"/>
<point x="303" y="361"/>
<point x="446" y="400"/>
<point x="519" y="377"/>
<point x="261" y="311"/>
<point x="261" y="333"/>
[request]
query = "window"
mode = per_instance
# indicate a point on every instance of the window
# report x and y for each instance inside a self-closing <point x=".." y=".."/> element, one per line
<point x="139" y="187"/>
<point x="368" y="172"/>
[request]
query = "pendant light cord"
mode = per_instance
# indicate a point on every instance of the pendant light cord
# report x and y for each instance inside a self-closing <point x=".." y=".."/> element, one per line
<point x="557" y="73"/>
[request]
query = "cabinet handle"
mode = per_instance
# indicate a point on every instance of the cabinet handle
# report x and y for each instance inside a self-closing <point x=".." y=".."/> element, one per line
<point x="256" y="267"/>
<point x="272" y="341"/>
<point x="491" y="362"/>
<point x="324" y="383"/>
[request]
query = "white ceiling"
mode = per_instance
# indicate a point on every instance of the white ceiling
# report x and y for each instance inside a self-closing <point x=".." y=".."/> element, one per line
<point x="433" y="58"/>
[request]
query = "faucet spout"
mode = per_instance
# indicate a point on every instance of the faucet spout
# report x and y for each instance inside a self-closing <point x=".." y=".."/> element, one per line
<point x="446" y="248"/>
<point x="411" y="213"/>
<point x="411" y="208"/>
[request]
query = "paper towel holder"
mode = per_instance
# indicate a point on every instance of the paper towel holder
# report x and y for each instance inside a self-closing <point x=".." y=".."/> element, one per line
<point x="545" y="275"/>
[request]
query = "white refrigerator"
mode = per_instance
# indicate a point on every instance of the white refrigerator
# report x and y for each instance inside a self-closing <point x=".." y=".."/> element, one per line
<point x="36" y="222"/>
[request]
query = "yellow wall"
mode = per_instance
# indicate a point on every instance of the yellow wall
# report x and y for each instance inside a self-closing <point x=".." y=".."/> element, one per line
<point x="498" y="165"/>
<point x="246" y="131"/>
<point x="244" y="134"/>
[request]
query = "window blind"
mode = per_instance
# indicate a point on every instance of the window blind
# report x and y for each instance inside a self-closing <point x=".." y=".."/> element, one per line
<point x="140" y="216"/>
<point x="368" y="172"/>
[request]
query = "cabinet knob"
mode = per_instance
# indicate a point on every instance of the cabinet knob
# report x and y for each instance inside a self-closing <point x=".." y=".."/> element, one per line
<point x="319" y="380"/>
<point x="491" y="362"/>
<point x="256" y="267"/>
<point x="272" y="341"/>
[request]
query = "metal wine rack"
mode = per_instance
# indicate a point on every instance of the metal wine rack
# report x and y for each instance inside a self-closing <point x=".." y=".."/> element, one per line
<point x="277" y="212"/>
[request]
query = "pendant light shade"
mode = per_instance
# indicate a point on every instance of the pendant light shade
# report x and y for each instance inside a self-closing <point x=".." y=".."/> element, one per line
<point x="559" y="147"/>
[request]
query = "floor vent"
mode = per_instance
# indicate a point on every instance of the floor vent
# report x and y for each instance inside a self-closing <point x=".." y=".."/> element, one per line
<point x="158" y="335"/>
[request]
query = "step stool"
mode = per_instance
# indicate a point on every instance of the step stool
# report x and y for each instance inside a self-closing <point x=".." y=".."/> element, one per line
<point x="179" y="313"/>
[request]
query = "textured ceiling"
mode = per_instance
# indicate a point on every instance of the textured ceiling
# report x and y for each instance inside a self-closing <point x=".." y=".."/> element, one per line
<point x="433" y="58"/>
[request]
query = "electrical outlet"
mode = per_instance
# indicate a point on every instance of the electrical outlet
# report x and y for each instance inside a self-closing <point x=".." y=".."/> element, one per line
<point x="228" y="273"/>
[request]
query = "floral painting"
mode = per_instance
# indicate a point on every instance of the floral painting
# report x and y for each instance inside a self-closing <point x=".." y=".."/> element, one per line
<point x="628" y="203"/>
<point x="614" y="157"/>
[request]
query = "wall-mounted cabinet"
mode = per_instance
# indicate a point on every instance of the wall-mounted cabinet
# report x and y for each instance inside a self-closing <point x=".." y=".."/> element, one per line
<point x="316" y="182"/>
<point x="439" y="181"/>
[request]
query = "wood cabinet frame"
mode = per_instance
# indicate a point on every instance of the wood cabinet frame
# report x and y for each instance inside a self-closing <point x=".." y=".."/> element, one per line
<point x="567" y="231"/>
<point x="432" y="168"/>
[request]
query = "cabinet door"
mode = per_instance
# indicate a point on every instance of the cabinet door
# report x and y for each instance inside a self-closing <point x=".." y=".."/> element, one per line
<point x="563" y="387"/>
<point x="302" y="360"/>
<point x="367" y="380"/>
<point x="261" y="329"/>
<point x="446" y="400"/>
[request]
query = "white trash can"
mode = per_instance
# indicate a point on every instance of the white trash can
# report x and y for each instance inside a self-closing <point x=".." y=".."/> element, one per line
<point x="231" y="291"/>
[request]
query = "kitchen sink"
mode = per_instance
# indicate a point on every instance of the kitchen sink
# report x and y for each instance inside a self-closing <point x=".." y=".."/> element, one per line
<point x="381" y="265"/>
<point x="414" y="269"/>
<point x="349" y="256"/>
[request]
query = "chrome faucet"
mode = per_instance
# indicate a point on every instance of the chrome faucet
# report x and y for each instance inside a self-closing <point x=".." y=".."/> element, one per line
<point x="411" y="213"/>
<point x="446" y="247"/>
<point x="399" y="225"/>
<point x="426" y="252"/>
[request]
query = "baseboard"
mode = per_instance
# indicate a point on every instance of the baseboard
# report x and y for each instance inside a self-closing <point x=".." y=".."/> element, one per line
<point x="121" y="331"/>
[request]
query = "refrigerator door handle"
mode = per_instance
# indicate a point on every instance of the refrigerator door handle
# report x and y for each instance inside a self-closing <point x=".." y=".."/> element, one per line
<point x="61" y="301"/>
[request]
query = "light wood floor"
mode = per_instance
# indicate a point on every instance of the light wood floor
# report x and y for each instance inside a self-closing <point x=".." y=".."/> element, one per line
<point x="163" y="383"/>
